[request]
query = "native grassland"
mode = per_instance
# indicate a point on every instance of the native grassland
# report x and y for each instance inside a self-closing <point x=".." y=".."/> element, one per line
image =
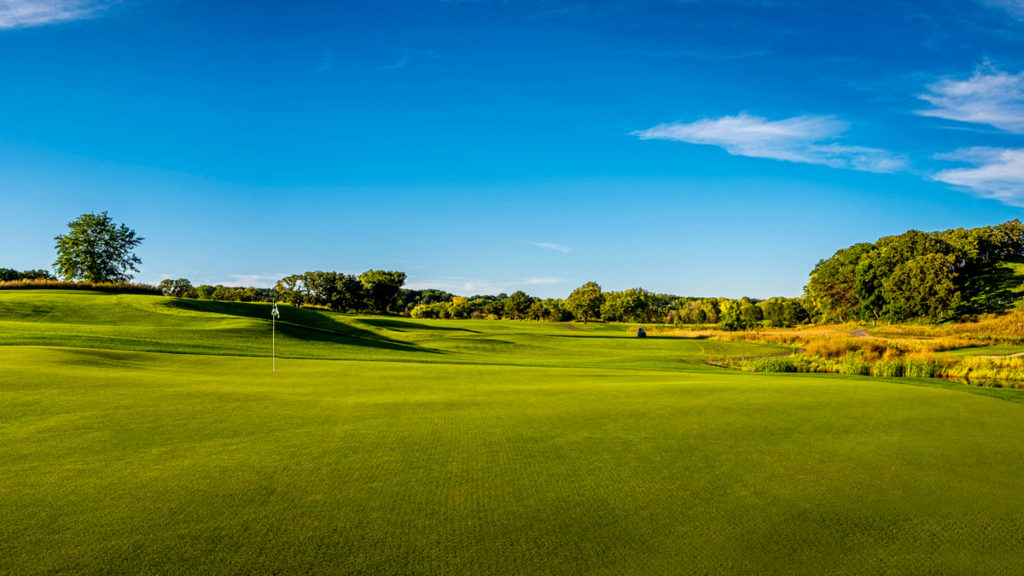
<point x="142" y="434"/>
<point x="985" y="351"/>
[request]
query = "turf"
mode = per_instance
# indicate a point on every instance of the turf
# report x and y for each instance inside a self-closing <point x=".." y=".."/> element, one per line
<point x="491" y="457"/>
<point x="157" y="324"/>
<point x="986" y="351"/>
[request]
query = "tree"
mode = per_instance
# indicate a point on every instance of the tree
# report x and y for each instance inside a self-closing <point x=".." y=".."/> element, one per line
<point x="180" y="288"/>
<point x="833" y="283"/>
<point x="750" y="315"/>
<point x="731" y="315"/>
<point x="585" y="302"/>
<point x="922" y="287"/>
<point x="97" y="250"/>
<point x="517" y="305"/>
<point x="381" y="288"/>
<point x="9" y="274"/>
<point x="291" y="289"/>
<point x="347" y="294"/>
<point x="633" y="305"/>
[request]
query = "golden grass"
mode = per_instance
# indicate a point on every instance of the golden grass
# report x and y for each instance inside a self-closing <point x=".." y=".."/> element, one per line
<point x="890" y="350"/>
<point x="46" y="284"/>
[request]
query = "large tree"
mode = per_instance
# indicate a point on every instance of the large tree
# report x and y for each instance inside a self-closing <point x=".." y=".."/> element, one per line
<point x="585" y="302"/>
<point x="95" y="249"/>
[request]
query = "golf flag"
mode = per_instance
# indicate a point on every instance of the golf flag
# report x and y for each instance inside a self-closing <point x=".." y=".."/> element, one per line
<point x="274" y="315"/>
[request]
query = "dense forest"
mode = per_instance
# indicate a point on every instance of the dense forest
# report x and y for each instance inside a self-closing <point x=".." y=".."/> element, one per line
<point x="928" y="275"/>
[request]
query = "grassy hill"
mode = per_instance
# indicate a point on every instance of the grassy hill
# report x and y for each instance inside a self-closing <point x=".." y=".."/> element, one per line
<point x="157" y="324"/>
<point x="996" y="289"/>
<point x="393" y="446"/>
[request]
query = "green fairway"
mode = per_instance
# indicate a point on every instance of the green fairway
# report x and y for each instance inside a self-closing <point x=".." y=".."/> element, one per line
<point x="394" y="446"/>
<point x="994" y="351"/>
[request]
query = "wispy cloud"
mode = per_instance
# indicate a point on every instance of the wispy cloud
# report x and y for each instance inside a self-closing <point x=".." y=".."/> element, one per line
<point x="989" y="97"/>
<point x="552" y="246"/>
<point x="806" y="139"/>
<point x="996" y="173"/>
<point x="325" y="65"/>
<point x="402" y="62"/>
<point x="28" y="13"/>
<point x="1014" y="7"/>
<point x="407" y="57"/>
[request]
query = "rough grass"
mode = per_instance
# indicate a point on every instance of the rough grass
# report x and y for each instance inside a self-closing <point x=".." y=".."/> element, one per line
<point x="642" y="462"/>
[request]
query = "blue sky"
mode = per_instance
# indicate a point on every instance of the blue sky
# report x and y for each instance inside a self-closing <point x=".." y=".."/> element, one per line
<point x="695" y="148"/>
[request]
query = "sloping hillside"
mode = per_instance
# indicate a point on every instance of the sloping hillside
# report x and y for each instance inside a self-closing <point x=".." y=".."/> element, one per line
<point x="160" y="324"/>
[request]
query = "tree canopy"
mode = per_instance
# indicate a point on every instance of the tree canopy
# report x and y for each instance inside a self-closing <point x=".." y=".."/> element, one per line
<point x="95" y="249"/>
<point x="913" y="275"/>
<point x="585" y="302"/>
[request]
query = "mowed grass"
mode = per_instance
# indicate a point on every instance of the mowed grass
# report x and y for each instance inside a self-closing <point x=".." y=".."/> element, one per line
<point x="157" y="324"/>
<point x="126" y="461"/>
<point x="986" y="351"/>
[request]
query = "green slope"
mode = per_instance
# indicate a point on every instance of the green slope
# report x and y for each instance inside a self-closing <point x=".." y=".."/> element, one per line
<point x="158" y="324"/>
<point x="994" y="289"/>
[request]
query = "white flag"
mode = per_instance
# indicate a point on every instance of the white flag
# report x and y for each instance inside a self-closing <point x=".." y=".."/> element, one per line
<point x="275" y="313"/>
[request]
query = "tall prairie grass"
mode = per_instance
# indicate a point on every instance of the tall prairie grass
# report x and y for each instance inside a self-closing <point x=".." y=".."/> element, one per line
<point x="44" y="284"/>
<point x="981" y="371"/>
<point x="897" y="351"/>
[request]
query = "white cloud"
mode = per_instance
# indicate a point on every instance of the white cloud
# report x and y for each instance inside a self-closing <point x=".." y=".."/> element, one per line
<point x="552" y="246"/>
<point x="988" y="97"/>
<point x="997" y="173"/>
<point x="1014" y="7"/>
<point x="27" y="13"/>
<point x="798" y="139"/>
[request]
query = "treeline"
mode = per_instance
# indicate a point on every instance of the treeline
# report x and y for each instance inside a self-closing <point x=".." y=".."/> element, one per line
<point x="11" y="275"/>
<point x="381" y="292"/>
<point x="183" y="288"/>
<point x="636" y="305"/>
<point x="934" y="275"/>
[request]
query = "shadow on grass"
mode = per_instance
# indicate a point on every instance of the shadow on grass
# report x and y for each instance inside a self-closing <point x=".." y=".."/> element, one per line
<point x="992" y="290"/>
<point x="350" y="336"/>
<point x="302" y="324"/>
<point x="626" y="336"/>
<point x="405" y="326"/>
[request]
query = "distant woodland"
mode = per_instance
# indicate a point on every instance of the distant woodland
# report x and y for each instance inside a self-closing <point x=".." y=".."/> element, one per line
<point x="915" y="275"/>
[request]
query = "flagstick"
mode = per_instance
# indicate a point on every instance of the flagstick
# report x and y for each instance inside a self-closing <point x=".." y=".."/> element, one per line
<point x="273" y="339"/>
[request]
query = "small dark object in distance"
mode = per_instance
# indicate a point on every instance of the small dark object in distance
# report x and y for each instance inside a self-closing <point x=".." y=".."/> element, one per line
<point x="641" y="333"/>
